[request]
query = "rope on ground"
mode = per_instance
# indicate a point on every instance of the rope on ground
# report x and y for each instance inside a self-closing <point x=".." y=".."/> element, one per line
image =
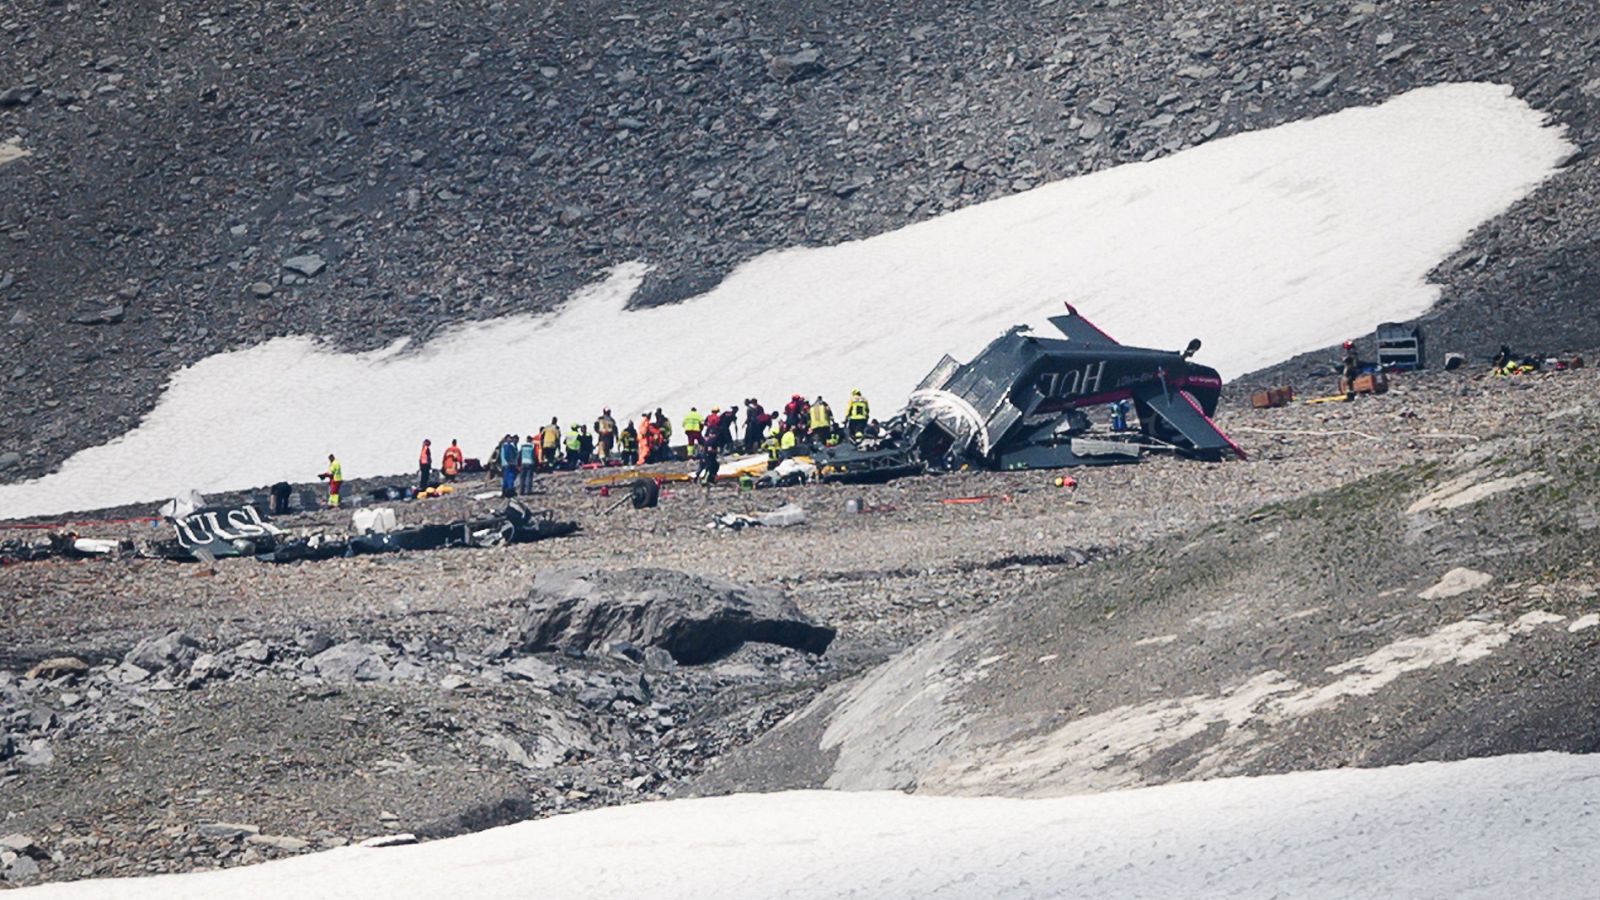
<point x="1312" y="432"/>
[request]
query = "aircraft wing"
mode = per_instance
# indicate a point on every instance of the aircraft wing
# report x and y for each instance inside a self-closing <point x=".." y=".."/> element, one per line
<point x="1081" y="330"/>
<point x="1183" y="414"/>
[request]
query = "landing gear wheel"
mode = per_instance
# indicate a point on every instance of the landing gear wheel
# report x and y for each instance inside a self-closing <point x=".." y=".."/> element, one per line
<point x="646" y="493"/>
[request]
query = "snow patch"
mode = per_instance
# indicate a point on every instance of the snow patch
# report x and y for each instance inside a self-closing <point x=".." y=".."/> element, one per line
<point x="1264" y="245"/>
<point x="1584" y="623"/>
<point x="1469" y="489"/>
<point x="1456" y="582"/>
<point x="1106" y="751"/>
<point x="1505" y="828"/>
<point x="12" y="150"/>
<point x="1156" y="641"/>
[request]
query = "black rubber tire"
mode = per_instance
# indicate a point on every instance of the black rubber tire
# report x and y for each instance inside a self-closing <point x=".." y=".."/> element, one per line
<point x="646" y="493"/>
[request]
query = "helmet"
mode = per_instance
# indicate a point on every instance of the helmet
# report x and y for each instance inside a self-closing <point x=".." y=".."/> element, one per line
<point x="716" y="409"/>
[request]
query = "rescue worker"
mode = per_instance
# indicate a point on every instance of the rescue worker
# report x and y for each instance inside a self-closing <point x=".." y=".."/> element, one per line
<point x="424" y="465"/>
<point x="724" y="429"/>
<point x="820" y="420"/>
<point x="334" y="476"/>
<point x="710" y="426"/>
<point x="770" y="446"/>
<point x="573" y="445"/>
<point x="795" y="413"/>
<point x="786" y="442"/>
<point x="645" y="427"/>
<point x="280" y="498"/>
<point x="550" y="442"/>
<point x="508" y="465"/>
<point x="756" y="421"/>
<point x="1352" y="368"/>
<point x="527" y="463"/>
<point x="451" y="464"/>
<point x="707" y="473"/>
<point x="1119" y="415"/>
<point x="663" y="449"/>
<point x="605" y="434"/>
<point x="656" y="438"/>
<point x="628" y="442"/>
<point x="856" y="415"/>
<point x="585" y="445"/>
<point x="692" y="421"/>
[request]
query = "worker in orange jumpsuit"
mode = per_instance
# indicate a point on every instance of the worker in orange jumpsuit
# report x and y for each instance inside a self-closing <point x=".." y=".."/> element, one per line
<point x="451" y="464"/>
<point x="424" y="465"/>
<point x="645" y="443"/>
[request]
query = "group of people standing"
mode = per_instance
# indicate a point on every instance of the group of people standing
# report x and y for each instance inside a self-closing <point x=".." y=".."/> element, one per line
<point x="550" y="449"/>
<point x="646" y="440"/>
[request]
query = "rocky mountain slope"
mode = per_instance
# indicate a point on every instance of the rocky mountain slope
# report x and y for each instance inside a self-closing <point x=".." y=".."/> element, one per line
<point x="1440" y="610"/>
<point x="320" y="703"/>
<point x="199" y="177"/>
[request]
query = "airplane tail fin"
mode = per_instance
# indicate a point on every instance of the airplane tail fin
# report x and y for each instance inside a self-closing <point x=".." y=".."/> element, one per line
<point x="1079" y="329"/>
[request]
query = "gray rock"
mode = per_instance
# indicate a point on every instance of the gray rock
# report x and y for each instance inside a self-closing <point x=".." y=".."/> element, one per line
<point x="173" y="650"/>
<point x="510" y="749"/>
<point x="51" y="669"/>
<point x="37" y="755"/>
<point x="352" y="661"/>
<point x="572" y="215"/>
<point x="1323" y="85"/>
<point x="207" y="666"/>
<point x="696" y="619"/>
<point x="1104" y="106"/>
<point x="226" y="830"/>
<point x="105" y="315"/>
<point x="527" y="668"/>
<point x="1397" y="53"/>
<point x="254" y="651"/>
<point x="128" y="673"/>
<point x="788" y="69"/>
<point x="309" y="265"/>
<point x="18" y="96"/>
<point x="20" y="318"/>
<point x="261" y="289"/>
<point x="20" y="868"/>
<point x="278" y="842"/>
<point x="407" y="670"/>
<point x="23" y="845"/>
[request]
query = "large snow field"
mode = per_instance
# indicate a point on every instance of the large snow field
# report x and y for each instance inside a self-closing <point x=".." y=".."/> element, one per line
<point x="1263" y="245"/>
<point x="1499" y="829"/>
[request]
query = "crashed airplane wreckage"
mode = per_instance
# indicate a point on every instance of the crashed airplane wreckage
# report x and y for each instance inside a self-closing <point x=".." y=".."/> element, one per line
<point x="1020" y="404"/>
<point x="212" y="533"/>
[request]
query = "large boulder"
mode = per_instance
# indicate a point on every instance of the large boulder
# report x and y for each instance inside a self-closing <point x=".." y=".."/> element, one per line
<point x="173" y="650"/>
<point x="696" y="619"/>
<point x="352" y="661"/>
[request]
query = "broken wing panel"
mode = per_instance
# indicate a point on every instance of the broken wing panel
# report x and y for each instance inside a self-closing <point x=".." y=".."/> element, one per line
<point x="1183" y="414"/>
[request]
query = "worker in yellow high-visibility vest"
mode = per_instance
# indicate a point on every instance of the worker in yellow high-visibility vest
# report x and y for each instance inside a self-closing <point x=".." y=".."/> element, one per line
<point x="856" y="415"/>
<point x="692" y="422"/>
<point x="335" y="479"/>
<point x="821" y="421"/>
